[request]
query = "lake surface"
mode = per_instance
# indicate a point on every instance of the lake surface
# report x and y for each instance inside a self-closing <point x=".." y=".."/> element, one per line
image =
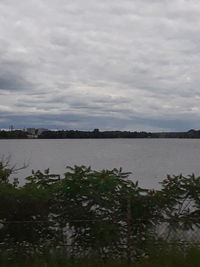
<point x="149" y="160"/>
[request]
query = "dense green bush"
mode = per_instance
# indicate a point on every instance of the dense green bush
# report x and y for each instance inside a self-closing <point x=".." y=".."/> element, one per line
<point x="88" y="213"/>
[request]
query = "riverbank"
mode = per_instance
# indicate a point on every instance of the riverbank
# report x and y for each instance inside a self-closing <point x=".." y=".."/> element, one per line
<point x="33" y="133"/>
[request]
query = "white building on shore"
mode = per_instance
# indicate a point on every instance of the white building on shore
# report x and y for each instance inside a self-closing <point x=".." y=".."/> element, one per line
<point x="34" y="132"/>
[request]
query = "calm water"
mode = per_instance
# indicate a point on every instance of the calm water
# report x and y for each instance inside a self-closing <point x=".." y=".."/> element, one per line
<point x="149" y="160"/>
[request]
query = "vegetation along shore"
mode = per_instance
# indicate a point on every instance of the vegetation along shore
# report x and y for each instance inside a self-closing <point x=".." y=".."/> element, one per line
<point x="96" y="133"/>
<point x="97" y="218"/>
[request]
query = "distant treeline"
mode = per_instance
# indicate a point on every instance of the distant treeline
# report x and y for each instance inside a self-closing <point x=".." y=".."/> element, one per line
<point x="93" y="134"/>
<point x="96" y="133"/>
<point x="117" y="134"/>
<point x="14" y="134"/>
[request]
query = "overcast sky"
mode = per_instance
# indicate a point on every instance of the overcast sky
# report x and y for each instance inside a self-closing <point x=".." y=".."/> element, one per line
<point x="85" y="64"/>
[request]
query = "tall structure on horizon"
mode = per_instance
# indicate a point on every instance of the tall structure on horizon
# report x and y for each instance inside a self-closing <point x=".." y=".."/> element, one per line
<point x="11" y="128"/>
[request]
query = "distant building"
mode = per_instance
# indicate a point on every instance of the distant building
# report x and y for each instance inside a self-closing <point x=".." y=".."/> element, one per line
<point x="41" y="130"/>
<point x="34" y="132"/>
<point x="31" y="131"/>
<point x="11" y="128"/>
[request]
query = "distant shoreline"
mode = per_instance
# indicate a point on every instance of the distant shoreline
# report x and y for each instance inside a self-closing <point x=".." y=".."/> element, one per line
<point x="95" y="134"/>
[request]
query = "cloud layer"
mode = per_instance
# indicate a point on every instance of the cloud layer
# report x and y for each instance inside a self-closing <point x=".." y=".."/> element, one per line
<point x="118" y="64"/>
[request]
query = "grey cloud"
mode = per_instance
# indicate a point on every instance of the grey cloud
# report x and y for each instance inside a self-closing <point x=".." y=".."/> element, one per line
<point x="14" y="83"/>
<point x="13" y="76"/>
<point x="106" y="58"/>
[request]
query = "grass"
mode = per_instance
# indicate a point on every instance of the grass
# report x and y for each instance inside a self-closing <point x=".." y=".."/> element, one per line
<point x="173" y="257"/>
<point x="168" y="257"/>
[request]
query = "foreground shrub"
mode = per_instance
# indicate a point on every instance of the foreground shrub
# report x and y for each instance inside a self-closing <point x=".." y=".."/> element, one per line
<point x="99" y="214"/>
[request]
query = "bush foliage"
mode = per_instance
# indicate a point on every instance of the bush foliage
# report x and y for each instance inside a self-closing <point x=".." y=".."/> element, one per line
<point x="91" y="213"/>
